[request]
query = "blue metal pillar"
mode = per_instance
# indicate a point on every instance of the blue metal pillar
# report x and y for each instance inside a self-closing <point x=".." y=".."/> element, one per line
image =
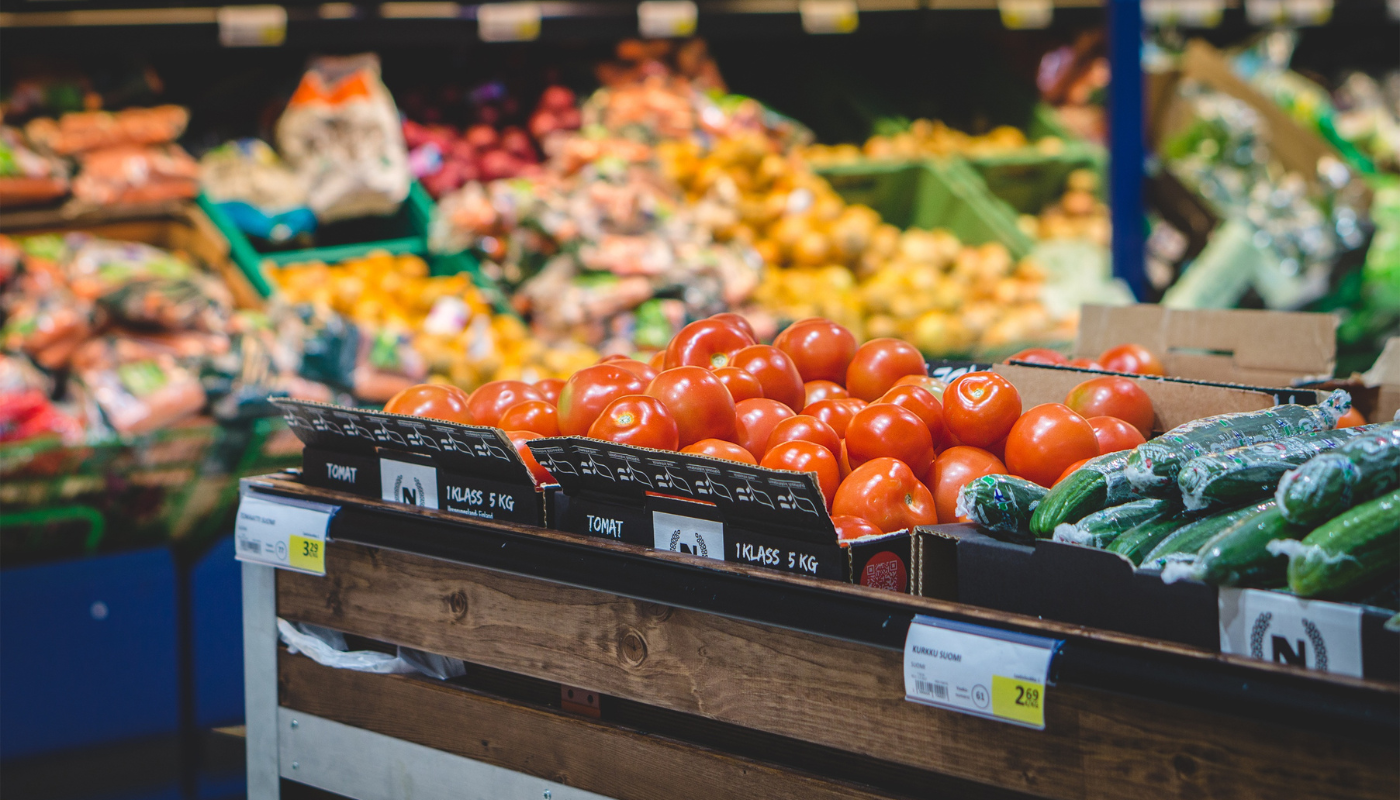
<point x="1127" y="143"/>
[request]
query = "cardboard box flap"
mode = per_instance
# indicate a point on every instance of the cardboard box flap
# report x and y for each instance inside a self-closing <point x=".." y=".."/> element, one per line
<point x="470" y="450"/>
<point x="1260" y="348"/>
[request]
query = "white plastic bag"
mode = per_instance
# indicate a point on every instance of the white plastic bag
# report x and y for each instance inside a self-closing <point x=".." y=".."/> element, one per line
<point x="327" y="648"/>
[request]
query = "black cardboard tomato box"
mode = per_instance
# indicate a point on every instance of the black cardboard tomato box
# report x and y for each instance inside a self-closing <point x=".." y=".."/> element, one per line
<point x="714" y="508"/>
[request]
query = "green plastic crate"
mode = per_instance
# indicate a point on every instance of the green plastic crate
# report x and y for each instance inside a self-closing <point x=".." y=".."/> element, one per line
<point x="1029" y="180"/>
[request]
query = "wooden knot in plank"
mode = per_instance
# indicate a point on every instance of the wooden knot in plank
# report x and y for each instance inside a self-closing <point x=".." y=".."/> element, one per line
<point x="631" y="649"/>
<point x="457" y="605"/>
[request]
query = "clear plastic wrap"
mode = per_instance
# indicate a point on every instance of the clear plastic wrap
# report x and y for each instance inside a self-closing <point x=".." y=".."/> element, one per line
<point x="1000" y="502"/>
<point x="1101" y="528"/>
<point x="328" y="648"/>
<point x="1245" y="473"/>
<point x="1358" y="470"/>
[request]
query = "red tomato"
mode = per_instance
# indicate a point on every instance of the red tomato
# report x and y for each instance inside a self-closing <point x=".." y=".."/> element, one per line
<point x="657" y="360"/>
<point x="1086" y="363"/>
<point x="804" y="428"/>
<point x="878" y="364"/>
<point x="848" y="528"/>
<point x="736" y="321"/>
<point x="925" y="406"/>
<point x="798" y="456"/>
<point x="955" y="468"/>
<point x="490" y="400"/>
<point x="1070" y="470"/>
<point x="1038" y="355"/>
<point x="532" y="415"/>
<point x="885" y="430"/>
<point x="821" y="349"/>
<point x="1131" y="358"/>
<point x="741" y="385"/>
<point x="549" y="388"/>
<point x="539" y="473"/>
<point x="1045" y="440"/>
<point x="718" y="448"/>
<point x="834" y="413"/>
<point x="775" y="372"/>
<point x="636" y="420"/>
<point x="1113" y="396"/>
<point x="1351" y="419"/>
<point x="1114" y="434"/>
<point x="587" y="392"/>
<point x="816" y="391"/>
<point x="756" y="418"/>
<point x="933" y="385"/>
<point x="701" y="406"/>
<point x="434" y="401"/>
<point x="886" y="493"/>
<point x="643" y="371"/>
<point x="707" y="343"/>
<point x="845" y="460"/>
<point x="980" y="407"/>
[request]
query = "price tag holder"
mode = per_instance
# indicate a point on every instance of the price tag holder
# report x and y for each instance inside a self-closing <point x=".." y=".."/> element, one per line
<point x="1026" y="14"/>
<point x="1308" y="12"/>
<point x="508" y="22"/>
<point x="1278" y="627"/>
<point x="979" y="671"/>
<point x="252" y="26"/>
<point x="666" y="19"/>
<point x="282" y="532"/>
<point x="829" y="16"/>
<point x="1189" y="13"/>
<point x="697" y="537"/>
<point x="1265" y="12"/>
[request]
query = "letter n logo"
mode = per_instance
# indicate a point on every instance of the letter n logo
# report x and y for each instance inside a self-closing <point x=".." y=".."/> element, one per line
<point x="1285" y="654"/>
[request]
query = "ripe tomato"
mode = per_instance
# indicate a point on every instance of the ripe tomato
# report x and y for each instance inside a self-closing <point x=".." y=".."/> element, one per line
<point x="834" y="413"/>
<point x="1114" y="434"/>
<point x="1038" y="355"/>
<point x="885" y="430"/>
<point x="925" y="406"/>
<point x="741" y="385"/>
<point x="845" y="460"/>
<point x="736" y="320"/>
<point x="707" y="343"/>
<point x="549" y="388"/>
<point x="1131" y="358"/>
<point x="878" y="364"/>
<point x="539" y="473"/>
<point x="532" y="415"/>
<point x="657" y="360"/>
<point x="754" y="423"/>
<point x="1047" y="439"/>
<point x="1113" y="396"/>
<point x="933" y="385"/>
<point x="587" y="392"/>
<point x="1070" y="470"/>
<point x="955" y="468"/>
<point x="718" y="448"/>
<point x="821" y="349"/>
<point x="701" y="406"/>
<point x="848" y="528"/>
<point x="797" y="456"/>
<point x="775" y="372"/>
<point x="1086" y="363"/>
<point x="980" y="407"/>
<point x="643" y="371"/>
<point x="637" y="420"/>
<point x="434" y="401"/>
<point x="1351" y="419"/>
<point x="822" y="390"/>
<point x="804" y="428"/>
<point x="490" y="400"/>
<point x="885" y="493"/>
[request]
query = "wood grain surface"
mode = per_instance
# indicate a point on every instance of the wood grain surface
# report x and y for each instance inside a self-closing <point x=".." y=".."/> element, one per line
<point x="817" y="689"/>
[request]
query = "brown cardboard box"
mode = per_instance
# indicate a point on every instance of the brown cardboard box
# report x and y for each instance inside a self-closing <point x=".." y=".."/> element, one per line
<point x="1254" y="348"/>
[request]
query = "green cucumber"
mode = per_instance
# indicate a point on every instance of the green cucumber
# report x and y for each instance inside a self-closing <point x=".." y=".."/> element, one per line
<point x="1138" y="542"/>
<point x="1240" y="555"/>
<point x="1101" y="528"/>
<point x="1242" y="474"/>
<point x="1363" y="468"/>
<point x="1184" y="542"/>
<point x="1153" y="466"/>
<point x="1000" y="502"/>
<point x="1097" y="485"/>
<point x="1349" y="551"/>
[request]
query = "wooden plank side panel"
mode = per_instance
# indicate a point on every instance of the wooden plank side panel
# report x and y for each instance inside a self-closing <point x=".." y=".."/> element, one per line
<point x="816" y="689"/>
<point x="588" y="755"/>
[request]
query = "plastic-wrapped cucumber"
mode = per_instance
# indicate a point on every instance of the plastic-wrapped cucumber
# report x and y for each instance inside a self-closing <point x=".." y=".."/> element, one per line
<point x="1184" y="542"/>
<point x="1100" y="528"/>
<point x="1240" y="555"/>
<point x="1000" y="502"/>
<point x="1099" y="484"/>
<point x="1241" y="474"/>
<point x="1365" y="467"/>
<point x="1153" y="466"/>
<point x="1350" y="551"/>
<point x="1138" y="542"/>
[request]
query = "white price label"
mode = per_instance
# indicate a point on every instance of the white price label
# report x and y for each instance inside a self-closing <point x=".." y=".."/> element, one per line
<point x="666" y="19"/>
<point x="508" y="22"/>
<point x="1189" y="13"/>
<point x="1308" y="12"/>
<point x="282" y="532"/>
<point x="829" y="16"/>
<point x="980" y="671"/>
<point x="1273" y="626"/>
<point x="1265" y="12"/>
<point x="252" y="26"/>
<point x="410" y="484"/>
<point x="1025" y="14"/>
<point x="698" y="537"/>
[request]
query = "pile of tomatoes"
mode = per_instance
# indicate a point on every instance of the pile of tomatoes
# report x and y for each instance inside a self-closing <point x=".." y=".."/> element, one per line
<point x="890" y="446"/>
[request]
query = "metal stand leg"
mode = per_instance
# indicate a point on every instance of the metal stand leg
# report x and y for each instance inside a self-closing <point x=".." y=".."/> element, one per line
<point x="260" y="680"/>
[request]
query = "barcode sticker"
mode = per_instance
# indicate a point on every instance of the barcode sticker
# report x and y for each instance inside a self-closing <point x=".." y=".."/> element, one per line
<point x="976" y="670"/>
<point x="282" y="532"/>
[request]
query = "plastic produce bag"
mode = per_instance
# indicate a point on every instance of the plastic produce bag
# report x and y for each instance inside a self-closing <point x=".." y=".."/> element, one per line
<point x="261" y="194"/>
<point x="328" y="648"/>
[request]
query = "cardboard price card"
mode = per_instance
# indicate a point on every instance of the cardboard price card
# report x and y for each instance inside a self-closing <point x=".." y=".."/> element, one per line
<point x="1278" y="627"/>
<point x="976" y="670"/>
<point x="282" y="532"/>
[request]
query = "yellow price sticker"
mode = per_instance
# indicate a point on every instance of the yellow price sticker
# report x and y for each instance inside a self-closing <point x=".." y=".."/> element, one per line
<point x="1022" y="701"/>
<point x="307" y="554"/>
